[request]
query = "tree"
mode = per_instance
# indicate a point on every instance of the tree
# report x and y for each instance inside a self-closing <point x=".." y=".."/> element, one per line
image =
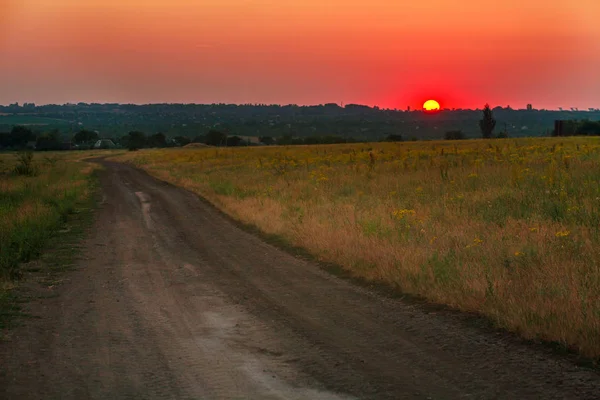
<point x="85" y="136"/>
<point x="216" y="138"/>
<point x="589" y="128"/>
<point x="285" y="140"/>
<point x="123" y="141"/>
<point x="393" y="138"/>
<point x="157" y="140"/>
<point x="233" y="141"/>
<point x="268" y="140"/>
<point x="19" y="137"/>
<point x="454" y="135"/>
<point x="488" y="123"/>
<point x="4" y="140"/>
<point x="48" y="141"/>
<point x="136" y="140"/>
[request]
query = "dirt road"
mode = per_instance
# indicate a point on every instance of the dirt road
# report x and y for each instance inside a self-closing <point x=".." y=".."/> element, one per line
<point x="173" y="301"/>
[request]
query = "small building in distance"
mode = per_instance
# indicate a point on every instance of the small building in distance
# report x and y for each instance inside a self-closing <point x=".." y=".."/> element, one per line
<point x="104" y="144"/>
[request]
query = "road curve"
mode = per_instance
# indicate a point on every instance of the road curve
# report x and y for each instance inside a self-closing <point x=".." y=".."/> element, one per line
<point x="172" y="301"/>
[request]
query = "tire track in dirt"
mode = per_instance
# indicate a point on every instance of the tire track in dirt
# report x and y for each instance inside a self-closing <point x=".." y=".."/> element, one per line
<point x="173" y="301"/>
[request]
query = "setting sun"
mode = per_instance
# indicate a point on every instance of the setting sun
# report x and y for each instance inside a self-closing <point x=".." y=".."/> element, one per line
<point x="431" y="105"/>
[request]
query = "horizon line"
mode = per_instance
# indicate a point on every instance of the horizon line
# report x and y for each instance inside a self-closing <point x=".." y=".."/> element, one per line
<point x="565" y="109"/>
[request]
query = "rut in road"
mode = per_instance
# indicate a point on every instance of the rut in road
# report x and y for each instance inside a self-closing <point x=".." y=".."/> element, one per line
<point x="172" y="301"/>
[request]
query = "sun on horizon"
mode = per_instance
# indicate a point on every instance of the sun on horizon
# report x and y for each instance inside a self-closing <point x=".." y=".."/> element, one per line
<point x="431" y="105"/>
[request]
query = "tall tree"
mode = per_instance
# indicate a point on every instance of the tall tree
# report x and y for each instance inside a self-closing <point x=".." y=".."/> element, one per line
<point x="233" y="141"/>
<point x="85" y="136"/>
<point x="48" y="141"/>
<point x="20" y="135"/>
<point x="136" y="140"/>
<point x="488" y="123"/>
<point x="216" y="138"/>
<point x="157" y="140"/>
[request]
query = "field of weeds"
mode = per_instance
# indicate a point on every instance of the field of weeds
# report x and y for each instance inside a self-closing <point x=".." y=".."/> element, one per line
<point x="506" y="228"/>
<point x="36" y="196"/>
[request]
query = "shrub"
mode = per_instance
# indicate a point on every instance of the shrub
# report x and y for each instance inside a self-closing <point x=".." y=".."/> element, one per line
<point x="454" y="135"/>
<point x="393" y="138"/>
<point x="136" y="140"/>
<point x="25" y="164"/>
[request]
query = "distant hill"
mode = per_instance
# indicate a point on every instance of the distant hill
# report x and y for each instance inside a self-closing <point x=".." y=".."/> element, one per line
<point x="9" y="120"/>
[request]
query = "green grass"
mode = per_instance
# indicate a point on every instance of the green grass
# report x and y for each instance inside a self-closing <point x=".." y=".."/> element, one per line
<point x="509" y="229"/>
<point x="41" y="217"/>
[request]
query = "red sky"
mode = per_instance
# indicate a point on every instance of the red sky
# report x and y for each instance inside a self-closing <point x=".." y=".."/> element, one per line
<point x="391" y="53"/>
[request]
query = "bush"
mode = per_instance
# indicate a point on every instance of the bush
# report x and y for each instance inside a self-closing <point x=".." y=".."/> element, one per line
<point x="136" y="140"/>
<point x="268" y="140"/>
<point x="393" y="138"/>
<point x="157" y="140"/>
<point x="454" y="135"/>
<point x="216" y="138"/>
<point x="25" y="164"/>
<point x="233" y="141"/>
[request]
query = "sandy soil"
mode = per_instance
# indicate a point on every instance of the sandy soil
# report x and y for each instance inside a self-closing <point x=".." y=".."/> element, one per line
<point x="172" y="301"/>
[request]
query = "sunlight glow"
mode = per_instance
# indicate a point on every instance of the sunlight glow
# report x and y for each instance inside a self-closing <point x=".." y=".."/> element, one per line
<point x="431" y="105"/>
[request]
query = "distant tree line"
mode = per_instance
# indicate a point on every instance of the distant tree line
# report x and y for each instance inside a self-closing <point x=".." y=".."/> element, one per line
<point x="254" y="120"/>
<point x="21" y="137"/>
<point x="577" y="128"/>
<point x="486" y="125"/>
<point x="137" y="140"/>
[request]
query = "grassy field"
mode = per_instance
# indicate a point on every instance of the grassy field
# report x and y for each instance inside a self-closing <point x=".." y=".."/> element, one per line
<point x="33" y="208"/>
<point x="506" y="228"/>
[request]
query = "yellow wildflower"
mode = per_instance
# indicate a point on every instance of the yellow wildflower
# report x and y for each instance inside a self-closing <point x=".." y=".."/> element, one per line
<point x="476" y="242"/>
<point x="400" y="214"/>
<point x="564" y="233"/>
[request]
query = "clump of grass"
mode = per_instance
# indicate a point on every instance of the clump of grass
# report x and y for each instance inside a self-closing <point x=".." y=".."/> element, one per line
<point x="34" y="203"/>
<point x="25" y="165"/>
<point x="509" y="229"/>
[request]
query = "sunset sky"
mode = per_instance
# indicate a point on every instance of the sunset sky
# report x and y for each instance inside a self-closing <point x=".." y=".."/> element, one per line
<point x="391" y="53"/>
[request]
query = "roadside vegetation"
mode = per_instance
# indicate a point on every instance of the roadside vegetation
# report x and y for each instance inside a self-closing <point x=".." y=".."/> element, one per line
<point x="506" y="228"/>
<point x="37" y="195"/>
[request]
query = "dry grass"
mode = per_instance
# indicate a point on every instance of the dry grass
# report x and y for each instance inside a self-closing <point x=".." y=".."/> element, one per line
<point x="32" y="208"/>
<point x="506" y="228"/>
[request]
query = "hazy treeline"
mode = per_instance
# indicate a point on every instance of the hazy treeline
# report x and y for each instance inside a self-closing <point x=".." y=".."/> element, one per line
<point x="351" y="121"/>
<point x="21" y="137"/>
